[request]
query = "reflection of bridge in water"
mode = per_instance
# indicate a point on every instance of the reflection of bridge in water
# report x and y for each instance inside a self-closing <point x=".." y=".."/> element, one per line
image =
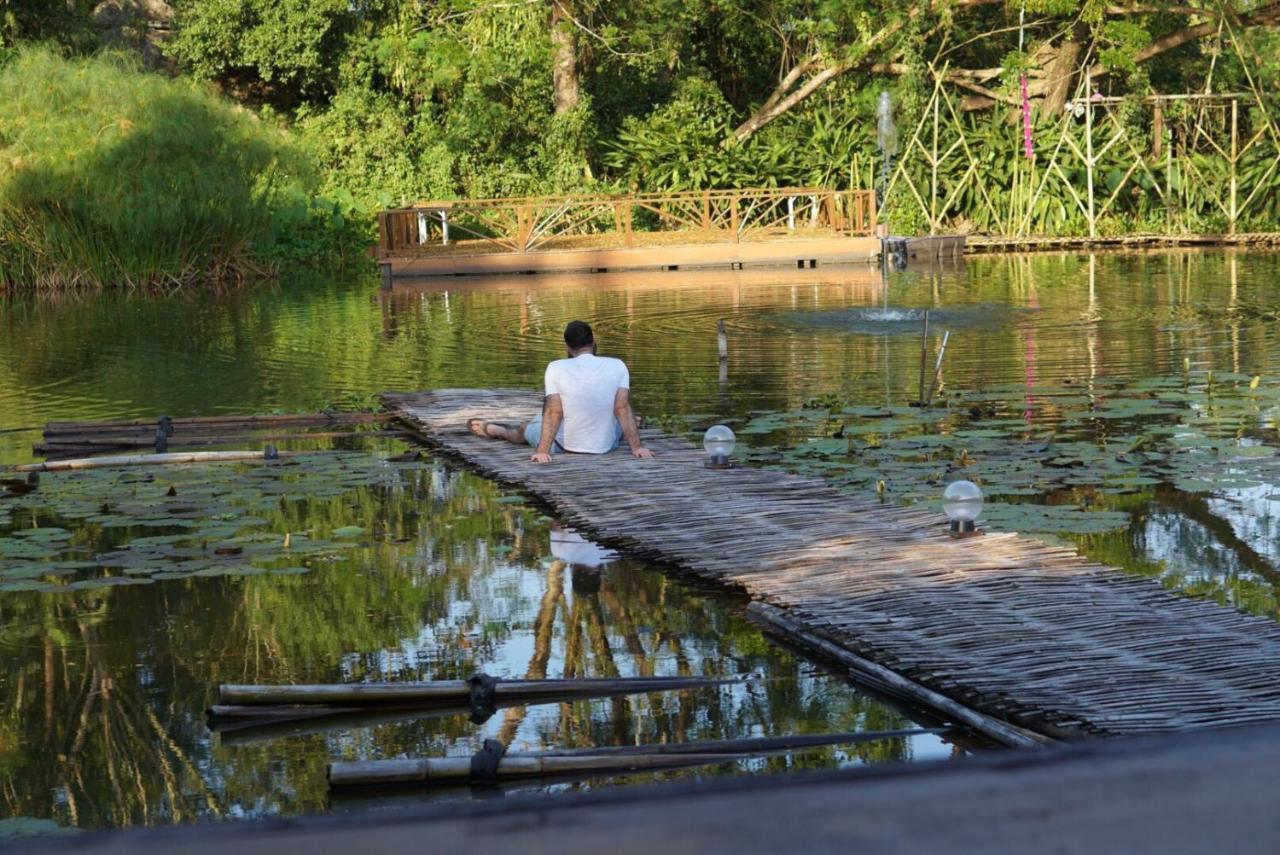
<point x="1015" y="629"/>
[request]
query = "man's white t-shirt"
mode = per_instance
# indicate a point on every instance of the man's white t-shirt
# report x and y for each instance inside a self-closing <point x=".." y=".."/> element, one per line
<point x="587" y="385"/>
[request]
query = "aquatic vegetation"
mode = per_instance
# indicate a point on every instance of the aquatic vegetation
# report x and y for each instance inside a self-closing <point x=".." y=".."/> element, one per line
<point x="115" y="177"/>
<point x="448" y="574"/>
<point x="1054" y="461"/>
<point x="106" y="527"/>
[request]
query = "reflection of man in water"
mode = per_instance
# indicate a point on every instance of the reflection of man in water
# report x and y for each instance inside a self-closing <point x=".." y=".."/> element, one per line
<point x="583" y="557"/>
<point x="587" y="407"/>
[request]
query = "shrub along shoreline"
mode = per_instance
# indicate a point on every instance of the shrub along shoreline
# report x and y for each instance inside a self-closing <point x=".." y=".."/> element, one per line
<point x="111" y="176"/>
<point x="308" y="118"/>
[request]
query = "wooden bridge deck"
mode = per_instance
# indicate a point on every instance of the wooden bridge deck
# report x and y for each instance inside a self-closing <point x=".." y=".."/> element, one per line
<point x="1019" y="630"/>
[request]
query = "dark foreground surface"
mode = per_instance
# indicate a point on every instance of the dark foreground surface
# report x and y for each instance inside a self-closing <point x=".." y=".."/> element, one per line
<point x="1206" y="792"/>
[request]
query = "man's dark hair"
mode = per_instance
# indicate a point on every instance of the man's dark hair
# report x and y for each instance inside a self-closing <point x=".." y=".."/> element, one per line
<point x="577" y="335"/>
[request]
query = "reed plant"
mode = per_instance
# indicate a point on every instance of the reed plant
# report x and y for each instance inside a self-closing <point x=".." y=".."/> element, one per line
<point x="111" y="176"/>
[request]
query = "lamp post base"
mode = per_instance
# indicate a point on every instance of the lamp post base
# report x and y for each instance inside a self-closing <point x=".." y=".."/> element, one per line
<point x="719" y="461"/>
<point x="965" y="528"/>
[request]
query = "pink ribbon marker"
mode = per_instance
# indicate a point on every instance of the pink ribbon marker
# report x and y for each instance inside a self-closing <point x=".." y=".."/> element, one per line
<point x="1026" y="121"/>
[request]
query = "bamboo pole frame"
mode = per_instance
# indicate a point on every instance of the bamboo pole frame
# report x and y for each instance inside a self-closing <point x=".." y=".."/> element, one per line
<point x="1105" y="146"/>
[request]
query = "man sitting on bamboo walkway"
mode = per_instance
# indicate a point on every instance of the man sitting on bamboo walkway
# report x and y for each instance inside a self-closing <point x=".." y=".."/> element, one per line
<point x="587" y="407"/>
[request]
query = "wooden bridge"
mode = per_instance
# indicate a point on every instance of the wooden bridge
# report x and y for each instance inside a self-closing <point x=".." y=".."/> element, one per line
<point x="1017" y="630"/>
<point x="775" y="226"/>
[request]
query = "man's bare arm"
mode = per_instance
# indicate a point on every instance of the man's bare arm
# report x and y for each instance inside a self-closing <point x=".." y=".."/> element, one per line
<point x="626" y="418"/>
<point x="552" y="416"/>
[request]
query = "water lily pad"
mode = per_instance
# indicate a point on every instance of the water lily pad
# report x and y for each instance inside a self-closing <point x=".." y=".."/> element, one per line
<point x="25" y="585"/>
<point x="348" y="531"/>
<point x="108" y="582"/>
<point x="168" y="575"/>
<point x="14" y="548"/>
<point x="1254" y="451"/>
<point x="1053" y="519"/>
<point x="44" y="534"/>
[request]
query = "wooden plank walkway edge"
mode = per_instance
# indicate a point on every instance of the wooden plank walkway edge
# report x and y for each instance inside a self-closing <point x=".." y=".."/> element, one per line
<point x="1027" y="634"/>
<point x="889" y="682"/>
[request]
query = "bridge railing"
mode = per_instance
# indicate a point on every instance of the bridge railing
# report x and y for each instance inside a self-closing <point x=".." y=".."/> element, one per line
<point x="529" y="224"/>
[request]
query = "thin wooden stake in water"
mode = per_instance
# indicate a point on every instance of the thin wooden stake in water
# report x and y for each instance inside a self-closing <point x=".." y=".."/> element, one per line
<point x="937" y="367"/>
<point x="924" y="357"/>
<point x="723" y="339"/>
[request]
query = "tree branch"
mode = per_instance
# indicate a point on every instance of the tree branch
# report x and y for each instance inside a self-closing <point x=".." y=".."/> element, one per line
<point x="790" y="91"/>
<point x="1268" y="14"/>
<point x="779" y="101"/>
<point x="970" y="79"/>
<point x="797" y="71"/>
<point x="764" y="116"/>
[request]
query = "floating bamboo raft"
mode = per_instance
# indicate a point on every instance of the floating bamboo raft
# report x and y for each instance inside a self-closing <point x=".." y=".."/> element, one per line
<point x="1008" y="626"/>
<point x="75" y="439"/>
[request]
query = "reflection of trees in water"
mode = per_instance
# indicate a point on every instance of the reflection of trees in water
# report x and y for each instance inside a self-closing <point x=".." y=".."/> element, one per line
<point x="296" y="345"/>
<point x="82" y="730"/>
<point x="105" y="724"/>
<point x="642" y="623"/>
<point x="107" y="688"/>
<point x="543" y="627"/>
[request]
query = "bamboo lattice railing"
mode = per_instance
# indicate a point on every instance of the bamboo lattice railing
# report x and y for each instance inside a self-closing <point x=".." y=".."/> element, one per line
<point x="1103" y="156"/>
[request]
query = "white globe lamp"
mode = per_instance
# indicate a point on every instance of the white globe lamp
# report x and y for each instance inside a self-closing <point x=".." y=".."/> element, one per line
<point x="962" y="503"/>
<point x="718" y="442"/>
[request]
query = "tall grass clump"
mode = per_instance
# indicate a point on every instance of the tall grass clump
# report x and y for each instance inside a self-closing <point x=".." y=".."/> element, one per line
<point x="114" y="177"/>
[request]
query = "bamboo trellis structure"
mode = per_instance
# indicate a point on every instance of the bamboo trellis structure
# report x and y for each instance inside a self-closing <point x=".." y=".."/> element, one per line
<point x="1159" y="158"/>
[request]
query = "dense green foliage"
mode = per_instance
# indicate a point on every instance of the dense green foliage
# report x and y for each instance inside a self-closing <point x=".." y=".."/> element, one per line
<point x="399" y="101"/>
<point x="109" y="176"/>
<point x="391" y="101"/>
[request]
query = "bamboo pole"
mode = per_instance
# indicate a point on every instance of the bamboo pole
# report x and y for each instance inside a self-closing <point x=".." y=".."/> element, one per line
<point x="103" y="442"/>
<point x="1235" y="159"/>
<point x="592" y="761"/>
<point x="229" y="714"/>
<point x="349" y="694"/>
<point x="892" y="683"/>
<point x="937" y="368"/>
<point x="214" y="422"/>
<point x="1088" y="143"/>
<point x="933" y="163"/>
<point x="924" y="353"/>
<point x="434" y="769"/>
<point x="752" y="744"/>
<point x="148" y="460"/>
<point x="248" y="731"/>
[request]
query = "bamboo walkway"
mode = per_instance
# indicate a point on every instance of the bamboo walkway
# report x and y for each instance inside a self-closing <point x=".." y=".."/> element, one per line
<point x="1022" y="631"/>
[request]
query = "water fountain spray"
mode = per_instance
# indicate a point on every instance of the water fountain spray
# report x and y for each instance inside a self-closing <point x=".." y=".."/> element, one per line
<point x="887" y="138"/>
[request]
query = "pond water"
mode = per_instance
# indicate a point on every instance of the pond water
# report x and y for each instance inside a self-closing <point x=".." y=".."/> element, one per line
<point x="1126" y="404"/>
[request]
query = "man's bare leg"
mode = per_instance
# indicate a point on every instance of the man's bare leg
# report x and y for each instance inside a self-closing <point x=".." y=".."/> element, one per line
<point x="497" y="430"/>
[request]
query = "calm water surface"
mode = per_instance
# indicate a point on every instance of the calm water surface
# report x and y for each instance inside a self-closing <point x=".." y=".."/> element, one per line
<point x="104" y="687"/>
